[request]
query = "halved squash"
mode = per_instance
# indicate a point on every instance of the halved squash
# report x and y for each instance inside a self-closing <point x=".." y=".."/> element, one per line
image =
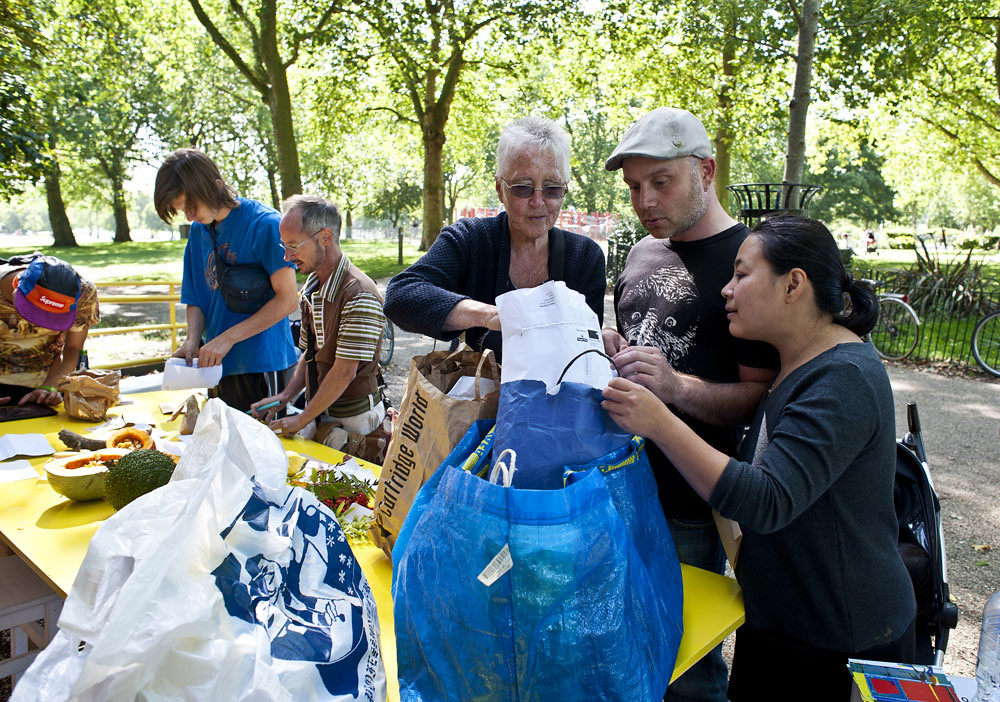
<point x="130" y="438"/>
<point x="80" y="476"/>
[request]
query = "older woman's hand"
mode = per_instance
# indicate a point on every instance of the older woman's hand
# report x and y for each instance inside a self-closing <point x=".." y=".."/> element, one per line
<point x="634" y="408"/>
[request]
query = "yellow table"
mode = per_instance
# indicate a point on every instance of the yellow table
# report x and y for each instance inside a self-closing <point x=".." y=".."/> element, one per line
<point x="51" y="534"/>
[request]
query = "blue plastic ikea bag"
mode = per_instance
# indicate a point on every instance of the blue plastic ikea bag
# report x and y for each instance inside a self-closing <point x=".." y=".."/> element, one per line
<point x="512" y="594"/>
<point x="550" y="431"/>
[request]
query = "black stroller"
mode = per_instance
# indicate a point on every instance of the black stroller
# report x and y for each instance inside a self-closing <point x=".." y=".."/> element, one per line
<point x="921" y="543"/>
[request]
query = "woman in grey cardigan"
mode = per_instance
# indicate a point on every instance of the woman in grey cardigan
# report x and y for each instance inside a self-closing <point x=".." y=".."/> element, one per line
<point x="812" y="487"/>
<point x="454" y="286"/>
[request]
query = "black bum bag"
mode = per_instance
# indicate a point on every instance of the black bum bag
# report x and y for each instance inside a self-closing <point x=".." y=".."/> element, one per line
<point x="245" y="287"/>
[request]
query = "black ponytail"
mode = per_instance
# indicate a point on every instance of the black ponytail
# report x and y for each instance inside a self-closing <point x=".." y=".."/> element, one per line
<point x="789" y="242"/>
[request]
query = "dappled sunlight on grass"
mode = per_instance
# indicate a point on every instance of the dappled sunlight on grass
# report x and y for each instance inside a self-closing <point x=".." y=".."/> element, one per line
<point x="107" y="262"/>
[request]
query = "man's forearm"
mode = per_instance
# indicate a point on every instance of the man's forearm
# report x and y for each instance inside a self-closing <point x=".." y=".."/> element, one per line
<point x="273" y="311"/>
<point x="719" y="404"/>
<point x="195" y="323"/>
<point x="296" y="382"/>
<point x="331" y="388"/>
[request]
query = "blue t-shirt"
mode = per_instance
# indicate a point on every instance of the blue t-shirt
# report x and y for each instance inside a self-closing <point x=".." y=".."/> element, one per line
<point x="248" y="234"/>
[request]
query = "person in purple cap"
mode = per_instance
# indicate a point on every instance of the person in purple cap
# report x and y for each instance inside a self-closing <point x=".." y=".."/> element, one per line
<point x="46" y="310"/>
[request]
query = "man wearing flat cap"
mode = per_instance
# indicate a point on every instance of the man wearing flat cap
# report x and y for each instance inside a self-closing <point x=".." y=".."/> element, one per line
<point x="673" y="335"/>
<point x="46" y="310"/>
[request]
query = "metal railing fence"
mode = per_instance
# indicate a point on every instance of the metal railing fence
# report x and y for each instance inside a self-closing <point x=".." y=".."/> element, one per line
<point x="171" y="297"/>
<point x="945" y="327"/>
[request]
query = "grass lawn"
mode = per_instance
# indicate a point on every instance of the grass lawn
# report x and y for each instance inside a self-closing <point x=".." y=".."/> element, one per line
<point x="163" y="260"/>
<point x="904" y="258"/>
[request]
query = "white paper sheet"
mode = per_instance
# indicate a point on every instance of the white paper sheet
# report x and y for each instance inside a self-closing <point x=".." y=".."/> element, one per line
<point x="546" y="327"/>
<point x="11" y="471"/>
<point x="465" y="387"/>
<point x="177" y="375"/>
<point x="24" y="445"/>
<point x="140" y="420"/>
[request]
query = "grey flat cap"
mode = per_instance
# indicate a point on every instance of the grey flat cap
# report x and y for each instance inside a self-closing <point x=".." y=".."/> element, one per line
<point x="665" y="133"/>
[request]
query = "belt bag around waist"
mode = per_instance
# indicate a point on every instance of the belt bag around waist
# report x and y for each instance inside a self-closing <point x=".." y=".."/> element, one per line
<point x="245" y="287"/>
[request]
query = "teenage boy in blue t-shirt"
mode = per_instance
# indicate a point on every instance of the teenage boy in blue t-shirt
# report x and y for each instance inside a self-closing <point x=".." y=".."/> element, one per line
<point x="255" y="349"/>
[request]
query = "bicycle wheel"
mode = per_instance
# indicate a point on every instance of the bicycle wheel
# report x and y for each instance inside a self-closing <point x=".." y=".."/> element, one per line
<point x="897" y="330"/>
<point x="388" y="344"/>
<point x="986" y="343"/>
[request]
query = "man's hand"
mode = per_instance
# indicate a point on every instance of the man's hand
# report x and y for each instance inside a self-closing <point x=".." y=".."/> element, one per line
<point x="288" y="426"/>
<point x="41" y="396"/>
<point x="212" y="353"/>
<point x="269" y="414"/>
<point x="646" y="366"/>
<point x="613" y="341"/>
<point x="4" y="400"/>
<point x="188" y="351"/>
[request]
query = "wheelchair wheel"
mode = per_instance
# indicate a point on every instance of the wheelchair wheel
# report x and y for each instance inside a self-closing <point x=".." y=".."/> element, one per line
<point x="388" y="344"/>
<point x="986" y="343"/>
<point x="897" y="330"/>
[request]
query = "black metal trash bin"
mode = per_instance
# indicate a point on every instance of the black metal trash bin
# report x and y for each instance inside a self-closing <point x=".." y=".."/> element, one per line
<point x="757" y="200"/>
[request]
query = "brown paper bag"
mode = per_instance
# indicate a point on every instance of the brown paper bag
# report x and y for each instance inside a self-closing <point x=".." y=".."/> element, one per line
<point x="731" y="536"/>
<point x="429" y="425"/>
<point x="88" y="394"/>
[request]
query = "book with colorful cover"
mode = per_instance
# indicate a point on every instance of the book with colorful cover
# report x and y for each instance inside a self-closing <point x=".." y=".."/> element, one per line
<point x="877" y="681"/>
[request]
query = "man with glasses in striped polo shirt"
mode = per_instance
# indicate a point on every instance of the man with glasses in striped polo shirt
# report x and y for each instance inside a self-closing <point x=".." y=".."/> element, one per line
<point x="342" y="323"/>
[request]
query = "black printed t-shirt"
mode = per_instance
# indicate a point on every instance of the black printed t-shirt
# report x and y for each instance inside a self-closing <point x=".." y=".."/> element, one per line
<point x="670" y="296"/>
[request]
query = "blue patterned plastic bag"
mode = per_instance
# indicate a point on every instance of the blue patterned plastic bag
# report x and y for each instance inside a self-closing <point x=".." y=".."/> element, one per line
<point x="224" y="584"/>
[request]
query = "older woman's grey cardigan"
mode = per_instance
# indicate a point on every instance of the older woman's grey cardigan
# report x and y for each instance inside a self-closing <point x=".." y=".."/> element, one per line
<point x="470" y="260"/>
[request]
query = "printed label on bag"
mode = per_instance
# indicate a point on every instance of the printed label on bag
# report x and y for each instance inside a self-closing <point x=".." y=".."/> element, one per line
<point x="500" y="564"/>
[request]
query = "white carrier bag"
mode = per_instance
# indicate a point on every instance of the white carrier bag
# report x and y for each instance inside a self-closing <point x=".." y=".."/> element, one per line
<point x="224" y="584"/>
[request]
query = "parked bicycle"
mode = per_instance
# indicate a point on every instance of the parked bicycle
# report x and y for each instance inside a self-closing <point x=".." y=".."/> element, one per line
<point x="897" y="330"/>
<point x="986" y="343"/>
<point x="388" y="344"/>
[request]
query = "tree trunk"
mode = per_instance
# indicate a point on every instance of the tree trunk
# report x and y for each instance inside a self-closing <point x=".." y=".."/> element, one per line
<point x="272" y="183"/>
<point x="122" y="233"/>
<point x="795" y="156"/>
<point x="279" y="102"/>
<point x="62" y="232"/>
<point x="348" y="223"/>
<point x="723" y="140"/>
<point x="433" y="180"/>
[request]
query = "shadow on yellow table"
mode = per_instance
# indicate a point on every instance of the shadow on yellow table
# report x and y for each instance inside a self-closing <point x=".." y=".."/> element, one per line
<point x="51" y="534"/>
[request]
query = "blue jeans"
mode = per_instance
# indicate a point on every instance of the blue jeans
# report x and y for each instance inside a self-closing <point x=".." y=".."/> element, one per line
<point x="698" y="545"/>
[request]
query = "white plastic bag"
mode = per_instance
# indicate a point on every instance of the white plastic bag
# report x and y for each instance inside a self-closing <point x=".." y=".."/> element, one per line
<point x="225" y="584"/>
<point x="546" y="327"/>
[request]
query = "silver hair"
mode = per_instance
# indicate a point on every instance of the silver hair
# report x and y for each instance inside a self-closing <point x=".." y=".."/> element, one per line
<point x="534" y="133"/>
<point x="317" y="213"/>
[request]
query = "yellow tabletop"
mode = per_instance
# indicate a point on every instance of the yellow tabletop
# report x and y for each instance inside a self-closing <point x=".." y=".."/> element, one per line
<point x="51" y="534"/>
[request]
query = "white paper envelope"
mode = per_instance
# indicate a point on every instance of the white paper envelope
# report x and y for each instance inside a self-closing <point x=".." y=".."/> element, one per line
<point x="177" y="375"/>
<point x="546" y="327"/>
<point x="465" y="387"/>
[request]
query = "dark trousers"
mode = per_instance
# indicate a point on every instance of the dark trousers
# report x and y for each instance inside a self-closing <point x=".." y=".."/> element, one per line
<point x="242" y="390"/>
<point x="769" y="665"/>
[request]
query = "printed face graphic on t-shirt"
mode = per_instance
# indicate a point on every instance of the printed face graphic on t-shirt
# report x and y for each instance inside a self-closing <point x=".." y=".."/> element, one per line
<point x="653" y="312"/>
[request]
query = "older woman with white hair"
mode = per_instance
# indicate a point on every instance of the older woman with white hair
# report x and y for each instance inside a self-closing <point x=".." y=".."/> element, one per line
<point x="454" y="286"/>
